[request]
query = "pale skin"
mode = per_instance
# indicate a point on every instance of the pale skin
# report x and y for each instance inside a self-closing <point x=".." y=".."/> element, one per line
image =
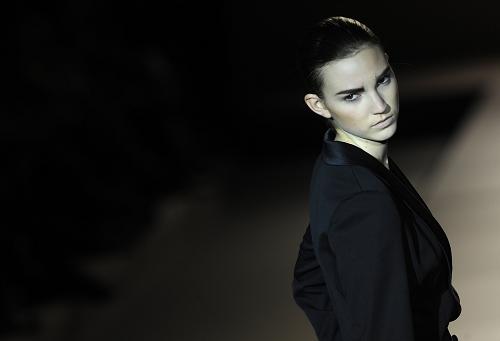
<point x="358" y="92"/>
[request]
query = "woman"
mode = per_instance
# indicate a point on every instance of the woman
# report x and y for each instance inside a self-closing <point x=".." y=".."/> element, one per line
<point x="374" y="264"/>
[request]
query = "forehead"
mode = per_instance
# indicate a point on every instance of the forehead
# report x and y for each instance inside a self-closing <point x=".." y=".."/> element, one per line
<point x="354" y="71"/>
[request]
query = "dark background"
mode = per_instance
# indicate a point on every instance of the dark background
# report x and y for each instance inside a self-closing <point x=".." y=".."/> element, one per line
<point x="110" y="107"/>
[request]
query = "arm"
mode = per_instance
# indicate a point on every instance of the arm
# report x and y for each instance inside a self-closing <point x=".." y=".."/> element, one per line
<point x="310" y="291"/>
<point x="373" y="301"/>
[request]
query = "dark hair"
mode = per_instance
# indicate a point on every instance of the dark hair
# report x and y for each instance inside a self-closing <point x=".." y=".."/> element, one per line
<point x="330" y="39"/>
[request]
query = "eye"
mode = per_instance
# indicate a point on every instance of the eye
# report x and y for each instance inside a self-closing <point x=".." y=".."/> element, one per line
<point x="385" y="79"/>
<point x="351" y="97"/>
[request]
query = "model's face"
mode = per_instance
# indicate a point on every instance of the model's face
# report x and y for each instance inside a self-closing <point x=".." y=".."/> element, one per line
<point x="359" y="92"/>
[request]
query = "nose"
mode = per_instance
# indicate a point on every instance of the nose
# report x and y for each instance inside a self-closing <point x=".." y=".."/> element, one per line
<point x="379" y="104"/>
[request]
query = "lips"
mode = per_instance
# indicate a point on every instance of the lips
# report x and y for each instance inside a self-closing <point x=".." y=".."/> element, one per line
<point x="385" y="119"/>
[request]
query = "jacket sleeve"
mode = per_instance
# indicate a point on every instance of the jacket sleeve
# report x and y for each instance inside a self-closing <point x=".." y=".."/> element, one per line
<point x="310" y="291"/>
<point x="371" y="293"/>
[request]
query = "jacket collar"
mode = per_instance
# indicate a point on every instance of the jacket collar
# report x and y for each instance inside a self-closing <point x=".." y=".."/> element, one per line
<point x="342" y="153"/>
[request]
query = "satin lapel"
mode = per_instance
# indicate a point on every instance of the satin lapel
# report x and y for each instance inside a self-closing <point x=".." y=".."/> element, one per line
<point x="433" y="222"/>
<point x="341" y="153"/>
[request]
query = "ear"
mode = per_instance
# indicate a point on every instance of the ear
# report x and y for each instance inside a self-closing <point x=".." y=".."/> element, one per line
<point x="317" y="105"/>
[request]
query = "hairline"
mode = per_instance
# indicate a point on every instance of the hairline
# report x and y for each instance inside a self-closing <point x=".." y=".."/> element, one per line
<point x="318" y="72"/>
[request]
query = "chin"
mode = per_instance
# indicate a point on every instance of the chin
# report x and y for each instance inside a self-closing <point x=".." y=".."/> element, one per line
<point x="386" y="134"/>
<point x="390" y="131"/>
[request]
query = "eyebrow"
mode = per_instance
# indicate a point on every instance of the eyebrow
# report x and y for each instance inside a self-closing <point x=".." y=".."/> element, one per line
<point x="349" y="91"/>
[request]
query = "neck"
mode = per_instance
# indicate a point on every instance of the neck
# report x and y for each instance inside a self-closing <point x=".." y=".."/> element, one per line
<point x="378" y="150"/>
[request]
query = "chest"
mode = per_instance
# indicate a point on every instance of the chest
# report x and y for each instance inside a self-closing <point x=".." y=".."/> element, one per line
<point x="424" y="252"/>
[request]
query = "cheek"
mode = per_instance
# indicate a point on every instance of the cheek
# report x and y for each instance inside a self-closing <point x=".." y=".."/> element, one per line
<point x="352" y="117"/>
<point x="392" y="95"/>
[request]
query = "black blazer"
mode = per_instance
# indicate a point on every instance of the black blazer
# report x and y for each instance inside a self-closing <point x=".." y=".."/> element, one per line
<point x="374" y="264"/>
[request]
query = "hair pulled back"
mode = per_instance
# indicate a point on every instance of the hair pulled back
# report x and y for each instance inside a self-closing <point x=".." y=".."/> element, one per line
<point x="330" y="39"/>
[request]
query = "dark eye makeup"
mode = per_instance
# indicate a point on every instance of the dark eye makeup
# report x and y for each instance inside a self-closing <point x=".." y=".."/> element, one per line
<point x="383" y="80"/>
<point x="351" y="97"/>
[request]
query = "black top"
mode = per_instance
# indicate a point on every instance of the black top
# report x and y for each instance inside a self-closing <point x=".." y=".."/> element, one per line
<point x="374" y="264"/>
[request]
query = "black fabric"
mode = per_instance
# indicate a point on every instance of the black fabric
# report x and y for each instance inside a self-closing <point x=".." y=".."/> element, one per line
<point x="374" y="264"/>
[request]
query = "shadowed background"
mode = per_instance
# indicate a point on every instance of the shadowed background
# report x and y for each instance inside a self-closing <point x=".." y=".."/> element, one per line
<point x="157" y="157"/>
